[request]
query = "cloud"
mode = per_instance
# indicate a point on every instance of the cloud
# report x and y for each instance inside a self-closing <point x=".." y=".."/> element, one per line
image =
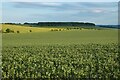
<point x="51" y="4"/>
<point x="36" y="5"/>
<point x="99" y="4"/>
<point x="68" y="6"/>
<point x="98" y="10"/>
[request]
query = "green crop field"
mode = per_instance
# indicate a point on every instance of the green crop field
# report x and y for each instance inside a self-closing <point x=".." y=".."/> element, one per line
<point x="72" y="54"/>
<point x="62" y="37"/>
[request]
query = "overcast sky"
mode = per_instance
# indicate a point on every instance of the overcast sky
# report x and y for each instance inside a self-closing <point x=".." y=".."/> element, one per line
<point x="97" y="12"/>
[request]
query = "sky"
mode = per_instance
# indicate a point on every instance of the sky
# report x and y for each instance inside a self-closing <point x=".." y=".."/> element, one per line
<point x="96" y="12"/>
<point x="60" y="0"/>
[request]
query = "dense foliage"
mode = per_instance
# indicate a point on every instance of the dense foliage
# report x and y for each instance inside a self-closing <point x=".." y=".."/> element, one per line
<point x="61" y="24"/>
<point x="61" y="61"/>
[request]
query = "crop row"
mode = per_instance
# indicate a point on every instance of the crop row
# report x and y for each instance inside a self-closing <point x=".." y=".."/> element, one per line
<point x="61" y="61"/>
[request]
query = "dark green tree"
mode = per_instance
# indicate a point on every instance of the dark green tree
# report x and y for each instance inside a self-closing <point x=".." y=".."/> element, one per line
<point x="8" y="30"/>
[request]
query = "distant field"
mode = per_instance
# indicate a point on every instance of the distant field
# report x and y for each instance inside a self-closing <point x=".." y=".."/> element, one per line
<point x="63" y="37"/>
<point x="24" y="29"/>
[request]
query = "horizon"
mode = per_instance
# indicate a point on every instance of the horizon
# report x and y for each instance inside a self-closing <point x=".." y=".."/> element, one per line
<point x="100" y="13"/>
<point x="54" y="21"/>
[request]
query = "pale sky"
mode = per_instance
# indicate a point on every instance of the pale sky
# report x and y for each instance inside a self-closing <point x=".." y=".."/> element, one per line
<point x="60" y="0"/>
<point x="96" y="12"/>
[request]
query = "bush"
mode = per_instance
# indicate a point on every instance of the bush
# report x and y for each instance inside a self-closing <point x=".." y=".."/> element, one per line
<point x="30" y="30"/>
<point x="52" y="30"/>
<point x="55" y="30"/>
<point x="9" y="30"/>
<point x="59" y="29"/>
<point x="18" y="31"/>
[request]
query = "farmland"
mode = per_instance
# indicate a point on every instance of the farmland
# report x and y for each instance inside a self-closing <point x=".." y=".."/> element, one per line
<point x="23" y="29"/>
<point x="75" y="53"/>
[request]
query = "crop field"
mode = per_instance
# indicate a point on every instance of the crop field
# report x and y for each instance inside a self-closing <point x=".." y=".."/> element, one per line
<point x="24" y="29"/>
<point x="70" y="54"/>
<point x="61" y="61"/>
<point x="61" y="37"/>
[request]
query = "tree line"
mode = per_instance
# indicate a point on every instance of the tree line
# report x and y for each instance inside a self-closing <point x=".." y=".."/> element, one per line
<point x="60" y="24"/>
<point x="66" y="24"/>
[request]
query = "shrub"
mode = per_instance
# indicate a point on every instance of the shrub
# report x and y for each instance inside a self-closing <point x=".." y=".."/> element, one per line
<point x="30" y="30"/>
<point x="59" y="29"/>
<point x="9" y="30"/>
<point x="56" y="29"/>
<point x="52" y="30"/>
<point x="80" y="28"/>
<point x="18" y="31"/>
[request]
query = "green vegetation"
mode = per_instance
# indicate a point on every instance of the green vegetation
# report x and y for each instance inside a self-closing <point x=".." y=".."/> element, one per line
<point x="61" y="61"/>
<point x="61" y="53"/>
<point x="9" y="31"/>
<point x="62" y="37"/>
<point x="60" y="24"/>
